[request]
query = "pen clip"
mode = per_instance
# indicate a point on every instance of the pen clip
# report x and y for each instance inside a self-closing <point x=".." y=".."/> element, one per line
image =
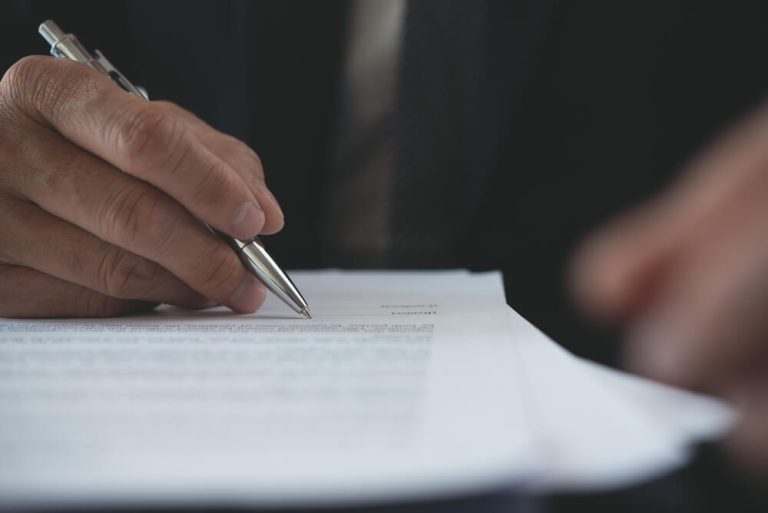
<point x="67" y="46"/>
<point x="108" y="68"/>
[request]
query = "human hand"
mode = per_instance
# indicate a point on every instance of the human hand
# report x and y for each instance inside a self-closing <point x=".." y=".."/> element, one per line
<point x="687" y="275"/>
<point x="102" y="194"/>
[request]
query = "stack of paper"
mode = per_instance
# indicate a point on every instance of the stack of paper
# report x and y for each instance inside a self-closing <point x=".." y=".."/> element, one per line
<point x="403" y="385"/>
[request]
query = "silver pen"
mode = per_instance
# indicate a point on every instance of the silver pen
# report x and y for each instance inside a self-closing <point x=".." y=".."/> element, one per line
<point x="251" y="252"/>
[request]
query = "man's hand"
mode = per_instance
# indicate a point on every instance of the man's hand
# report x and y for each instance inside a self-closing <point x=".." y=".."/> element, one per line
<point x="687" y="274"/>
<point x="102" y="195"/>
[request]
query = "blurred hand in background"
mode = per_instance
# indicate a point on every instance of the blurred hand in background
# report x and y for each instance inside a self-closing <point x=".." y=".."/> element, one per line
<point x="687" y="277"/>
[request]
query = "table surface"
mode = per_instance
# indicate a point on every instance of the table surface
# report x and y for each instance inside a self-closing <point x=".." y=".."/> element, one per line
<point x="709" y="483"/>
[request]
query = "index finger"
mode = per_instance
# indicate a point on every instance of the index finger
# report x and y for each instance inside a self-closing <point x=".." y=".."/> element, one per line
<point x="138" y="137"/>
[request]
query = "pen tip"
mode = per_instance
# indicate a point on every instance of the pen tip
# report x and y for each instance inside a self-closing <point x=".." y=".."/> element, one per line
<point x="305" y="312"/>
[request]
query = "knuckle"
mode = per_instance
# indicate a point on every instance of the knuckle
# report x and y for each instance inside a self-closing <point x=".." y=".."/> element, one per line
<point x="216" y="275"/>
<point x="17" y="80"/>
<point x="172" y="108"/>
<point x="139" y="217"/>
<point x="124" y="275"/>
<point x="146" y="132"/>
<point x="253" y="156"/>
<point x="166" y="104"/>
<point x="215" y="184"/>
<point x="247" y="155"/>
<point x="37" y="83"/>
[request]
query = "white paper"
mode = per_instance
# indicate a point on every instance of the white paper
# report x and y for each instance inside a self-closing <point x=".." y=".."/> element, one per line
<point x="599" y="428"/>
<point x="403" y="384"/>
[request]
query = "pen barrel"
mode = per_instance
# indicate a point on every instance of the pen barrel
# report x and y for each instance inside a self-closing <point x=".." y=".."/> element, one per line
<point x="51" y="32"/>
<point x="65" y="45"/>
<point x="258" y="261"/>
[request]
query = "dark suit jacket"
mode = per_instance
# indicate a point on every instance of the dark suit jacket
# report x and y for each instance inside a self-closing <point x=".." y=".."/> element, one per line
<point x="580" y="109"/>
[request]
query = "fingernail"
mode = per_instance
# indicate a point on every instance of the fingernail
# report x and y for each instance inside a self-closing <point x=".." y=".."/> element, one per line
<point x="248" y="297"/>
<point x="247" y="221"/>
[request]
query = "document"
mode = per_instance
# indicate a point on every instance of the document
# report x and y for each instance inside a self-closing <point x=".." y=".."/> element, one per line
<point x="402" y="385"/>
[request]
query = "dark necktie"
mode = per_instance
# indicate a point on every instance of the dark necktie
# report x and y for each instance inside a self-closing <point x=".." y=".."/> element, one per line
<point x="430" y="178"/>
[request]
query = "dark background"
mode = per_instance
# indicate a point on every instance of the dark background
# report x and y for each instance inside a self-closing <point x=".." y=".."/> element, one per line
<point x="592" y="106"/>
